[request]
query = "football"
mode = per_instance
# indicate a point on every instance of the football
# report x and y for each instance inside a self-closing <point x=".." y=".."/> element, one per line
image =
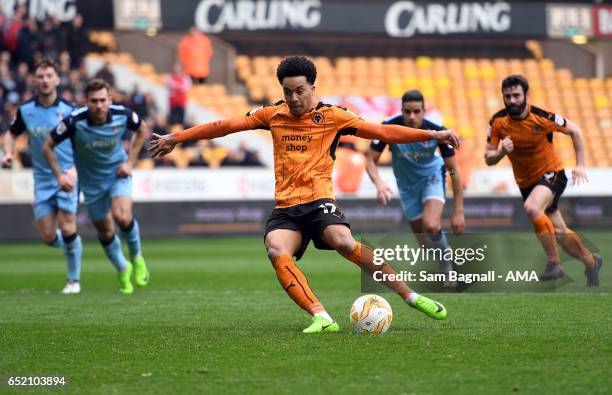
<point x="371" y="314"/>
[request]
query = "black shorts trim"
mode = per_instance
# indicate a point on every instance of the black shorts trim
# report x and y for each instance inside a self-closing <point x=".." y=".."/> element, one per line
<point x="556" y="182"/>
<point x="310" y="219"/>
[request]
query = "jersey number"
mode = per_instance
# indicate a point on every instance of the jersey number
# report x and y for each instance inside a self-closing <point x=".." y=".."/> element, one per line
<point x="328" y="208"/>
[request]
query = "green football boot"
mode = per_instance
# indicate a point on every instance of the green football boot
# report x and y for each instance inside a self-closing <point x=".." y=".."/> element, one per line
<point x="125" y="285"/>
<point x="320" y="324"/>
<point x="141" y="273"/>
<point x="430" y="307"/>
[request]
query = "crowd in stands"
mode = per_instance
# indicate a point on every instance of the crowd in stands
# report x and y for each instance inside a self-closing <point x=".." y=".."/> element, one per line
<point x="24" y="41"/>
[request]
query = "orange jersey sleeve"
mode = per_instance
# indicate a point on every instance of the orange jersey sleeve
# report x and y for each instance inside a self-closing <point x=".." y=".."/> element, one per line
<point x="493" y="132"/>
<point x="553" y="122"/>
<point x="255" y="119"/>
<point x="259" y="118"/>
<point x="347" y="121"/>
<point x="393" y="134"/>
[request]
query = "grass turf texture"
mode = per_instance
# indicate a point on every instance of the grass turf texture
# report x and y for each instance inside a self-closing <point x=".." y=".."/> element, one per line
<point x="215" y="320"/>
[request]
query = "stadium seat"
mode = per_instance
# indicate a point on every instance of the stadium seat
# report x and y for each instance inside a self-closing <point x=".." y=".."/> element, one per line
<point x="465" y="91"/>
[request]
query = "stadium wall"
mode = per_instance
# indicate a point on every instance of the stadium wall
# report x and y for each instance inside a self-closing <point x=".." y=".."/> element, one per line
<point x="190" y="203"/>
<point x="239" y="217"/>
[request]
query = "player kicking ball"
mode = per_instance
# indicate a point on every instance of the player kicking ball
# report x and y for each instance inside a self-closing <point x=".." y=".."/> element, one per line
<point x="105" y="173"/>
<point x="305" y="135"/>
<point x="526" y="136"/>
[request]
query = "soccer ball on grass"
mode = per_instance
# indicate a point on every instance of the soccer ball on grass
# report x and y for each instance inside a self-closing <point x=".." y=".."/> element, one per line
<point x="371" y="314"/>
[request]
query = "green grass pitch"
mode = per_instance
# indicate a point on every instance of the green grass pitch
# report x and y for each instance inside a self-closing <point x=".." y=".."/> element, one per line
<point x="214" y="320"/>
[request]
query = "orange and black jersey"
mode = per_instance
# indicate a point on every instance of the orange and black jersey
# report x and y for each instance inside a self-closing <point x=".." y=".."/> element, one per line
<point x="304" y="149"/>
<point x="304" y="146"/>
<point x="533" y="153"/>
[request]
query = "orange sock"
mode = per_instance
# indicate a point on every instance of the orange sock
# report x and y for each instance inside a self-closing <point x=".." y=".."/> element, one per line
<point x="572" y="244"/>
<point x="545" y="231"/>
<point x="364" y="258"/>
<point x="295" y="284"/>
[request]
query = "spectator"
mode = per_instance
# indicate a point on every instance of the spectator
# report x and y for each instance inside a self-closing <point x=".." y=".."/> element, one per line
<point x="50" y="43"/>
<point x="67" y="94"/>
<point x="178" y="87"/>
<point x="106" y="74"/>
<point x="159" y="125"/>
<point x="9" y="84"/>
<point x="197" y="158"/>
<point x="5" y="118"/>
<point x="138" y="102"/>
<point x="242" y="157"/>
<point x="77" y="41"/>
<point x="21" y="78"/>
<point x="79" y="99"/>
<point x="214" y="154"/>
<point x="12" y="27"/>
<point x="77" y="81"/>
<point x="195" y="52"/>
<point x="151" y="107"/>
<point x="251" y="157"/>
<point x="27" y="42"/>
<point x="119" y="98"/>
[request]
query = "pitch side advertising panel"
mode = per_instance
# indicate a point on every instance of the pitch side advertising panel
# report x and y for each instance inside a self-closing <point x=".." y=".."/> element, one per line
<point x="391" y="18"/>
<point x="240" y="217"/>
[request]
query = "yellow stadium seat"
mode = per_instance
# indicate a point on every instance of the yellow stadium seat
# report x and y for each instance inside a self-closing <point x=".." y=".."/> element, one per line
<point x="424" y="62"/>
<point x="471" y="71"/>
<point x="602" y="101"/>
<point x="443" y="82"/>
<point x="474" y="93"/>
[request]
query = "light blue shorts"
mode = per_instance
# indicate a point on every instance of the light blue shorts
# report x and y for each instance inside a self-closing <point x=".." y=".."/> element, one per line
<point x="414" y="198"/>
<point x="60" y="200"/>
<point x="98" y="203"/>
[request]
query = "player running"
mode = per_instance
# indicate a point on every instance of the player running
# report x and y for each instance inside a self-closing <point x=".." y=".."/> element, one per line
<point x="105" y="170"/>
<point x="305" y="135"/>
<point x="526" y="135"/>
<point x="53" y="208"/>
<point x="421" y="175"/>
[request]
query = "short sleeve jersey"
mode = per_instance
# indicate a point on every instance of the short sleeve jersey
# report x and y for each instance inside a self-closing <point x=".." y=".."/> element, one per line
<point x="38" y="122"/>
<point x="533" y="153"/>
<point x="304" y="148"/>
<point x="98" y="148"/>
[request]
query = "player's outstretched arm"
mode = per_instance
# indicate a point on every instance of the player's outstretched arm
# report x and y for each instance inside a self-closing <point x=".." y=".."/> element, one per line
<point x="402" y="134"/>
<point x="163" y="145"/>
<point x="65" y="181"/>
<point x="579" y="173"/>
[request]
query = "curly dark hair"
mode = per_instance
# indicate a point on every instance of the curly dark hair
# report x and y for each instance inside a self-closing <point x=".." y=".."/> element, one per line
<point x="296" y="66"/>
<point x="515" y="80"/>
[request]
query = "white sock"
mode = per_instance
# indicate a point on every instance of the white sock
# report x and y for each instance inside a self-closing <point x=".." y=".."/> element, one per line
<point x="412" y="298"/>
<point x="324" y="315"/>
